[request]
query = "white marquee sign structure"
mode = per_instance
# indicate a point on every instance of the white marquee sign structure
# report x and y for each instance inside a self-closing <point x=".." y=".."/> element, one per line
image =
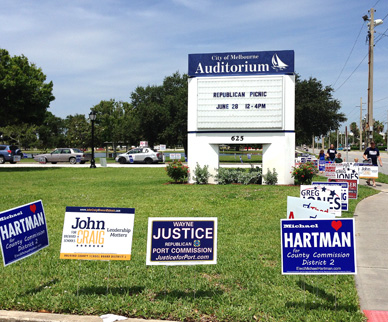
<point x="242" y="98"/>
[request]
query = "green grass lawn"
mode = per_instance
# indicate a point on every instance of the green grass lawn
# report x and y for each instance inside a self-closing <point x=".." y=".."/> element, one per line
<point x="245" y="285"/>
<point x="383" y="178"/>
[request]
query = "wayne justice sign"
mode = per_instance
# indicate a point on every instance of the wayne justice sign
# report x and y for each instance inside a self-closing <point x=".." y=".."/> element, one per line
<point x="182" y="241"/>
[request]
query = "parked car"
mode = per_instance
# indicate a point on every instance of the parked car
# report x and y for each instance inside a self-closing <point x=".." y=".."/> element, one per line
<point x="140" y="155"/>
<point x="10" y="153"/>
<point x="347" y="148"/>
<point x="63" y="155"/>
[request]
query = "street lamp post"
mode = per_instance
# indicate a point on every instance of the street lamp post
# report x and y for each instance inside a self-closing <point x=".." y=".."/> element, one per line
<point x="92" y="117"/>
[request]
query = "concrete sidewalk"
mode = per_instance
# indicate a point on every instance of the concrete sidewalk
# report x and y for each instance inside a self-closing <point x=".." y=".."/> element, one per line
<point x="371" y="217"/>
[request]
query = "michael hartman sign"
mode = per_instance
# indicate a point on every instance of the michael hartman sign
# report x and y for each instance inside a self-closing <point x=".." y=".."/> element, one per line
<point x="319" y="246"/>
<point x="23" y="232"/>
<point x="182" y="241"/>
<point x="97" y="233"/>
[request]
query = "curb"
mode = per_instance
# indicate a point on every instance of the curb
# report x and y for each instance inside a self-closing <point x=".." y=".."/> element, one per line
<point x="17" y="316"/>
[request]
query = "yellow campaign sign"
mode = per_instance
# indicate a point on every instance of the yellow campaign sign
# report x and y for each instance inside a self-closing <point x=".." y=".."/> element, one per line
<point x="91" y="233"/>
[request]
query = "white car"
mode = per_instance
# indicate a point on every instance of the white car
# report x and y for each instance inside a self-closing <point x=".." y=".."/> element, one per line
<point x="140" y="155"/>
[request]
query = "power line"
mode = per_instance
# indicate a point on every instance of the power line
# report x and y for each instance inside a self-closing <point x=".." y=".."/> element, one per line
<point x="349" y="54"/>
<point x="376" y="3"/>
<point x="382" y="99"/>
<point x="352" y="72"/>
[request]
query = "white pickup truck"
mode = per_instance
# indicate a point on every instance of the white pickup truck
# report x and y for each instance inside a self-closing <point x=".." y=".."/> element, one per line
<point x="140" y="155"/>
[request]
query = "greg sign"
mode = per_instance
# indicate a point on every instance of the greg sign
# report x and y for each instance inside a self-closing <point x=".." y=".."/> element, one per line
<point x="323" y="193"/>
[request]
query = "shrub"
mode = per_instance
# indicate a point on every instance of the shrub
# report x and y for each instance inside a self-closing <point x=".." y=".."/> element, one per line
<point x="271" y="178"/>
<point x="201" y="175"/>
<point x="257" y="172"/>
<point x="304" y="173"/>
<point x="177" y="171"/>
<point x="228" y="176"/>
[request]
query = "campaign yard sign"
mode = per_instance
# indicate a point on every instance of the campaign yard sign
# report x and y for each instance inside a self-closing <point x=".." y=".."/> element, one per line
<point x="345" y="171"/>
<point x="319" y="246"/>
<point x="322" y="164"/>
<point x="352" y="186"/>
<point x="368" y="172"/>
<point x="344" y="191"/>
<point x="322" y="193"/>
<point x="92" y="233"/>
<point x="299" y="208"/>
<point x="330" y="170"/>
<point x="182" y="241"/>
<point x="23" y="232"/>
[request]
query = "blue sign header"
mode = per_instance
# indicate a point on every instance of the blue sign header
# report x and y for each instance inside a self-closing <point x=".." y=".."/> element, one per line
<point x="242" y="63"/>
<point x="101" y="210"/>
<point x="319" y="246"/>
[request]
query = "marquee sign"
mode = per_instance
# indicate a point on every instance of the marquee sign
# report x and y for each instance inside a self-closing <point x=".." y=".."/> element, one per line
<point x="256" y="103"/>
<point x="242" y="63"/>
<point x="246" y="97"/>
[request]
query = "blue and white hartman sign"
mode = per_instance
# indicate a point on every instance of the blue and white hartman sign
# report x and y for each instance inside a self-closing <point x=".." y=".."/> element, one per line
<point x="182" y="241"/>
<point x="23" y="232"/>
<point x="320" y="246"/>
<point x="242" y="63"/>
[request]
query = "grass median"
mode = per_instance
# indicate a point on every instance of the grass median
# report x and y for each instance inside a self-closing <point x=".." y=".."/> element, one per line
<point x="245" y="285"/>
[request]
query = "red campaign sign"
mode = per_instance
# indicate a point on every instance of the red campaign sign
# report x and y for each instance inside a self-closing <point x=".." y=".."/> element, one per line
<point x="353" y="186"/>
<point x="330" y="170"/>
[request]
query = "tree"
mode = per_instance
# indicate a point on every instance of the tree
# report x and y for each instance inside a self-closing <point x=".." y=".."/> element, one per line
<point x="23" y="134"/>
<point x="316" y="111"/>
<point x="112" y="122"/>
<point x="354" y="129"/>
<point x="78" y="131"/>
<point x="175" y="99"/>
<point x="378" y="127"/>
<point x="161" y="111"/>
<point x="150" y="114"/>
<point x="24" y="95"/>
<point x="52" y="132"/>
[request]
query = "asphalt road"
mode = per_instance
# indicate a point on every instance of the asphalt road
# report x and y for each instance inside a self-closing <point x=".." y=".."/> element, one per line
<point x="358" y="154"/>
<point x="351" y="155"/>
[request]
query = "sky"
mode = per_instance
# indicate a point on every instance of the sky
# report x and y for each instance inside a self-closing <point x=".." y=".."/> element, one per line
<point x="95" y="50"/>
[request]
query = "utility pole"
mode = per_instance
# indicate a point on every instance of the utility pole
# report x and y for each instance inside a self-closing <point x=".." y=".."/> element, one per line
<point x="361" y="123"/>
<point x="370" y="77"/>
<point x="337" y="140"/>
<point x="371" y="35"/>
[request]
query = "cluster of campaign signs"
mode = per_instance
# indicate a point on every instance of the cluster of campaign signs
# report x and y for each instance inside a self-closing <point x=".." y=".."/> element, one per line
<point x="91" y="233"/>
<point x="314" y="239"/>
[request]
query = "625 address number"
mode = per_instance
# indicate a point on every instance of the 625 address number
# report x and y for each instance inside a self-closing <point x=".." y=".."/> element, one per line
<point x="237" y="138"/>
